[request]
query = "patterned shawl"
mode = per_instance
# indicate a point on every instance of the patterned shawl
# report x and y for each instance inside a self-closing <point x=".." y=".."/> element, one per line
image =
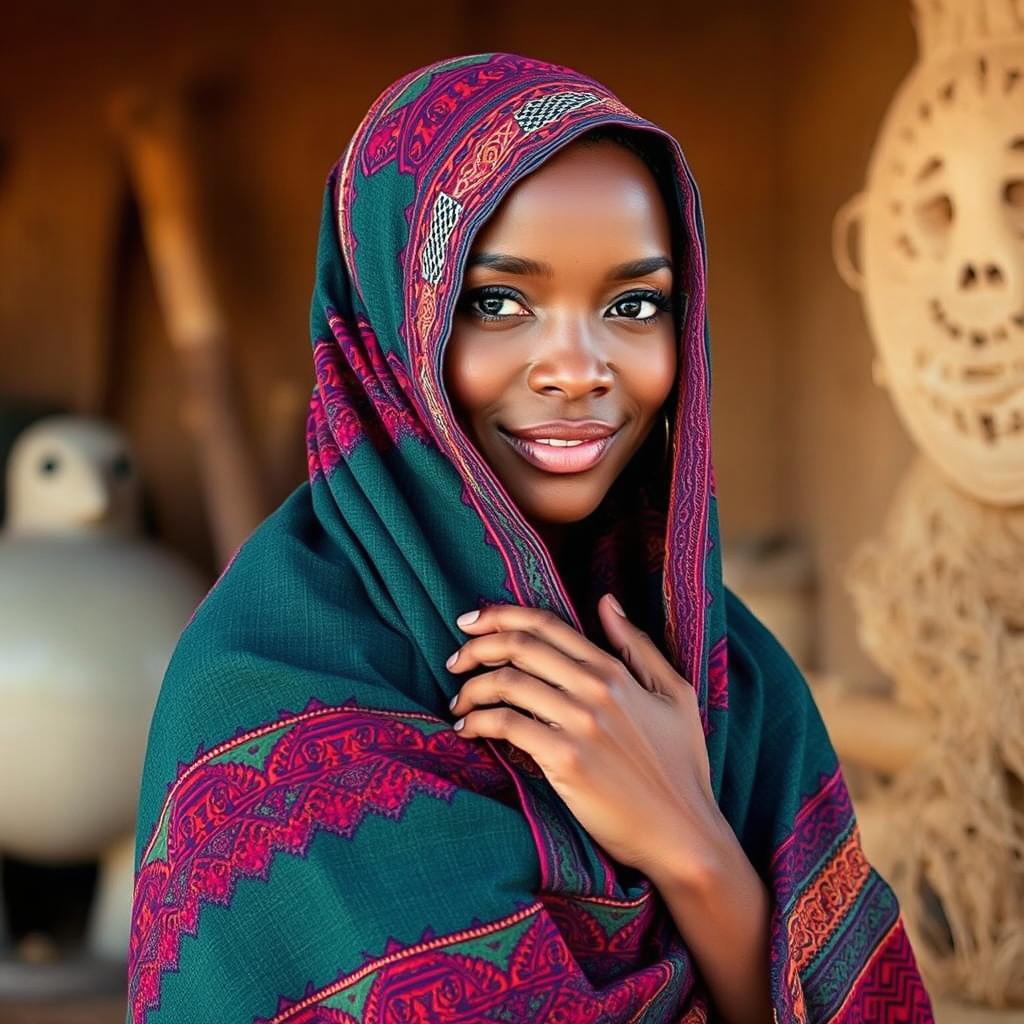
<point x="315" y="842"/>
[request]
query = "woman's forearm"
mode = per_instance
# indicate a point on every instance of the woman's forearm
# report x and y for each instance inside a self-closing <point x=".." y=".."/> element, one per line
<point x="721" y="909"/>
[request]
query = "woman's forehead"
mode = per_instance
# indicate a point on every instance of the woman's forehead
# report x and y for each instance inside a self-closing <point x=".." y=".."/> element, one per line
<point x="594" y="192"/>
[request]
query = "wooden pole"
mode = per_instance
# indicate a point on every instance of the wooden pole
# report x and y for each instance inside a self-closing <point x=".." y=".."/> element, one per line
<point x="155" y="137"/>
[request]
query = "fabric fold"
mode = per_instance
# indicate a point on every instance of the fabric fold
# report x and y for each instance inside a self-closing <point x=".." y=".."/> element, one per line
<point x="315" y="843"/>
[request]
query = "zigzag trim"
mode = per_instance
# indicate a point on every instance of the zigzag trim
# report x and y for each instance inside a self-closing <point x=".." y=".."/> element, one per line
<point x="530" y="977"/>
<point x="224" y="819"/>
<point x="889" y="989"/>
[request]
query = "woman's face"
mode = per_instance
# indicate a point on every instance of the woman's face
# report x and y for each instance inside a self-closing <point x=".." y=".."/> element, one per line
<point x="565" y="315"/>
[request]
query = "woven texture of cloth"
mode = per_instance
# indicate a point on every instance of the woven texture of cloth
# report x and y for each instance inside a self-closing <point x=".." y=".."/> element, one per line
<point x="315" y="843"/>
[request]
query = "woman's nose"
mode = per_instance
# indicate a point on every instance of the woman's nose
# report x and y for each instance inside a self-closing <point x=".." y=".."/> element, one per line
<point x="572" y="361"/>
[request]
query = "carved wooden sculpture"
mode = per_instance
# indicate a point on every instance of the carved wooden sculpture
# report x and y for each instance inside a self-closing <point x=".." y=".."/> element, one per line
<point x="939" y="594"/>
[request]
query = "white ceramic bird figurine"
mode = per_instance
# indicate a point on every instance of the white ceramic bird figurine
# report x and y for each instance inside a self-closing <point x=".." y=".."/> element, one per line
<point x="90" y="612"/>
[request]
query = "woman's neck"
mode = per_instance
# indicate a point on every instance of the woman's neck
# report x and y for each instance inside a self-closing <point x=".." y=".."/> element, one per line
<point x="568" y="559"/>
<point x="555" y="536"/>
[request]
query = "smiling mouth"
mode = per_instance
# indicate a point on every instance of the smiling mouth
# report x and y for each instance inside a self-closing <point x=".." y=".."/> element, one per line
<point x="574" y="457"/>
<point x="978" y="337"/>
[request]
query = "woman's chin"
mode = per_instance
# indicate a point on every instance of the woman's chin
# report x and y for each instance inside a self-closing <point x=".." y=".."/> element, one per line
<point x="561" y="510"/>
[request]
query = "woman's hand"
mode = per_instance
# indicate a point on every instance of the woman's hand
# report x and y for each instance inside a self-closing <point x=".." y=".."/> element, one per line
<point x="622" y="744"/>
<point x="619" y="740"/>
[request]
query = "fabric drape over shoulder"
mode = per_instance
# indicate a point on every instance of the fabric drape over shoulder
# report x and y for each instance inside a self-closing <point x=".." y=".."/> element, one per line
<point x="315" y="842"/>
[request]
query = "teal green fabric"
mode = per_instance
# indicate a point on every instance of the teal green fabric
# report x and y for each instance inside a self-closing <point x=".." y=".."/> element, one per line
<point x="315" y="842"/>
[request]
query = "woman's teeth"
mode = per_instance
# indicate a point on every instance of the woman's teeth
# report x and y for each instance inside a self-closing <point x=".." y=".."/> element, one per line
<point x="585" y="453"/>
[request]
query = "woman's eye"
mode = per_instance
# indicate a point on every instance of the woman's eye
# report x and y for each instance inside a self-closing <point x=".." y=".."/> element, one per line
<point x="497" y="305"/>
<point x="494" y="305"/>
<point x="637" y="308"/>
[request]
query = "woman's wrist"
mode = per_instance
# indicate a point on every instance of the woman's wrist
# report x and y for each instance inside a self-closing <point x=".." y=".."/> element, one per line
<point x="721" y="908"/>
<point x="696" y="860"/>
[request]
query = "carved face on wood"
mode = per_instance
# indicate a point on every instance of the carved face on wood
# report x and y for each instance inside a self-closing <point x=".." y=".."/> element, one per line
<point x="943" y="254"/>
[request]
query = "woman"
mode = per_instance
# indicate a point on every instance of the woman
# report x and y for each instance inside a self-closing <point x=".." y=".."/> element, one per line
<point x="624" y="817"/>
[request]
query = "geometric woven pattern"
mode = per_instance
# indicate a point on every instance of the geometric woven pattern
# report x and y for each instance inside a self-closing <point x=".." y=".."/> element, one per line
<point x="535" y="114"/>
<point x="442" y="221"/>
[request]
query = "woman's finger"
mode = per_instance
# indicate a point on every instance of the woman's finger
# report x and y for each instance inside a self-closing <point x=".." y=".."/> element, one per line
<point x="535" y="656"/>
<point x="549" y="747"/>
<point x="552" y="705"/>
<point x="640" y="654"/>
<point x="500" y="618"/>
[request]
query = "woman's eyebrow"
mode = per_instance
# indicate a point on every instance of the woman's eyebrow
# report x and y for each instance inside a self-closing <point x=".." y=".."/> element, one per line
<point x="639" y="268"/>
<point x="521" y="265"/>
<point x="509" y="264"/>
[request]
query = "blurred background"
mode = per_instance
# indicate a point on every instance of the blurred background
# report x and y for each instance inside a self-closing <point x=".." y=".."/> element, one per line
<point x="777" y="104"/>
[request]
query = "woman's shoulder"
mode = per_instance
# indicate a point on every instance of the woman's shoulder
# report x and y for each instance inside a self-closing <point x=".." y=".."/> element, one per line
<point x="291" y="592"/>
<point x="287" y="622"/>
<point x="757" y="660"/>
<point x="778" y="747"/>
<point x="287" y="552"/>
<point x="767" y="688"/>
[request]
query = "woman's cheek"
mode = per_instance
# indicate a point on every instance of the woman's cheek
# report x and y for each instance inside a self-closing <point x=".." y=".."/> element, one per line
<point x="654" y="372"/>
<point x="478" y="369"/>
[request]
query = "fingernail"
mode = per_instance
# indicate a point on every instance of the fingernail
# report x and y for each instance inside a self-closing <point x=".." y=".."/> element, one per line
<point x="466" y="618"/>
<point x="453" y="702"/>
<point x="459" y="724"/>
<point x="615" y="604"/>
<point x="451" y="660"/>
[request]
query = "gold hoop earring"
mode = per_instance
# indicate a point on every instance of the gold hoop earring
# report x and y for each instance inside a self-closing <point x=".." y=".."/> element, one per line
<point x="668" y="438"/>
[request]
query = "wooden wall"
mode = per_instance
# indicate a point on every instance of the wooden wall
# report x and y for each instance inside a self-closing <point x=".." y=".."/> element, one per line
<point x="776" y="105"/>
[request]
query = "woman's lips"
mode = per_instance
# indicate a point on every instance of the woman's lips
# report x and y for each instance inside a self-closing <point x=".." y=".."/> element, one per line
<point x="558" y="458"/>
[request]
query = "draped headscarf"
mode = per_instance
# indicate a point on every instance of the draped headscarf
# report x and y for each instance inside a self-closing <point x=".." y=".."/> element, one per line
<point x="315" y="842"/>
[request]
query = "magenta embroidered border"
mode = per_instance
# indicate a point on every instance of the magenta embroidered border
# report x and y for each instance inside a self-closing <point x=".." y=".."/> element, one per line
<point x="224" y="819"/>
